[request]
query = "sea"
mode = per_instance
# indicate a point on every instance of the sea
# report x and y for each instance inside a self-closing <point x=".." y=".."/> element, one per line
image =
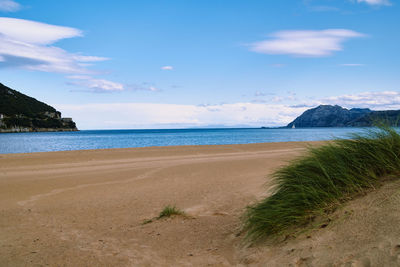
<point x="103" y="139"/>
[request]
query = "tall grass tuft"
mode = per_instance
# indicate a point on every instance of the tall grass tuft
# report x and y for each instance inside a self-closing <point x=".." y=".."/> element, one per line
<point x="169" y="210"/>
<point x="322" y="179"/>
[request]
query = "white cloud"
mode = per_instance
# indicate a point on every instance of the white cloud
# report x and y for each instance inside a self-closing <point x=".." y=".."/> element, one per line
<point x="305" y="43"/>
<point x="32" y="32"/>
<point x="374" y="100"/>
<point x="375" y="2"/>
<point x="382" y="100"/>
<point x="94" y="84"/>
<point x="155" y="115"/>
<point x="167" y="68"/>
<point x="89" y="58"/>
<point x="9" y="6"/>
<point x="105" y="86"/>
<point x="152" y="115"/>
<point x="28" y="44"/>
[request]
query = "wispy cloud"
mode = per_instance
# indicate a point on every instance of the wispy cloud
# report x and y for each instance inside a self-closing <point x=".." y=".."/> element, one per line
<point x="152" y="115"/>
<point x="375" y="2"/>
<point x="373" y="100"/>
<point x="94" y="84"/>
<point x="29" y="44"/>
<point x="381" y="100"/>
<point x="167" y="68"/>
<point x="155" y="115"/>
<point x="305" y="43"/>
<point x="9" y="6"/>
<point x="81" y="58"/>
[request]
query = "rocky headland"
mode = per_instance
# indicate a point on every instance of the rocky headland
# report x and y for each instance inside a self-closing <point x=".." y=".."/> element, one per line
<point x="336" y="116"/>
<point x="22" y="113"/>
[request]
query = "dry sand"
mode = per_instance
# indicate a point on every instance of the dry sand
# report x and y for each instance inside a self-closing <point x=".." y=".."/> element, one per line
<point x="87" y="208"/>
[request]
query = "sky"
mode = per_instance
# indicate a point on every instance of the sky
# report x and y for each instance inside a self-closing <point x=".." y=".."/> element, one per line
<point x="213" y="63"/>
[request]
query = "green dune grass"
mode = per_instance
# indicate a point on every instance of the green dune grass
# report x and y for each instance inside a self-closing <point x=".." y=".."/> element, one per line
<point x="169" y="211"/>
<point x="324" y="178"/>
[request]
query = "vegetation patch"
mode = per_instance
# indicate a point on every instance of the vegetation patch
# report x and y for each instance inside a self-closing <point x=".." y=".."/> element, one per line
<point x="169" y="210"/>
<point x="322" y="179"/>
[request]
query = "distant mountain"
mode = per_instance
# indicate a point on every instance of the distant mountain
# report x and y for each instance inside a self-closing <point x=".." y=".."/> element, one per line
<point x="22" y="113"/>
<point x="336" y="116"/>
<point x="390" y="117"/>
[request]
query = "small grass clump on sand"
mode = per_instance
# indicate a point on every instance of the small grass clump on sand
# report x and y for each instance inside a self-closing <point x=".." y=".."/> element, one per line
<point x="169" y="210"/>
<point x="322" y="179"/>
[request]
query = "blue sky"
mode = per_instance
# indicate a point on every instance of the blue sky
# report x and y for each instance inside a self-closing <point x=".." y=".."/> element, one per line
<point x="175" y="64"/>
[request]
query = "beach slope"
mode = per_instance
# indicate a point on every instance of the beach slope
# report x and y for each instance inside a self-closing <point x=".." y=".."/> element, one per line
<point x="99" y="208"/>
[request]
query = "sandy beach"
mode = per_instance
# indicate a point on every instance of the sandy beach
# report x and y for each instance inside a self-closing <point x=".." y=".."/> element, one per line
<point x="88" y="208"/>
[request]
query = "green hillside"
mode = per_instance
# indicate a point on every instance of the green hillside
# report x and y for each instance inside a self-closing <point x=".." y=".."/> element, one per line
<point x="19" y="112"/>
<point x="336" y="116"/>
<point x="13" y="103"/>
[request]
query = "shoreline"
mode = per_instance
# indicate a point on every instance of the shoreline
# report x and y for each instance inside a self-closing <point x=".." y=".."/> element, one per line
<point x="84" y="140"/>
<point x="37" y="130"/>
<point x="174" y="146"/>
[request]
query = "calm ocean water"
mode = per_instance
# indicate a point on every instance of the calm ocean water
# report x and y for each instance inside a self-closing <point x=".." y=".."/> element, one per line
<point x="98" y="139"/>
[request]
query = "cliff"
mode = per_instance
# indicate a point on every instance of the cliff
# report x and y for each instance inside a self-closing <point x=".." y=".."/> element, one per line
<point x="336" y="116"/>
<point x="21" y="113"/>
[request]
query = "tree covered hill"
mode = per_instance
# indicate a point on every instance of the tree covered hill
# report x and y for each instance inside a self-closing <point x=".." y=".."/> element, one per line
<point x="13" y="103"/>
<point x="19" y="112"/>
<point x="336" y="116"/>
